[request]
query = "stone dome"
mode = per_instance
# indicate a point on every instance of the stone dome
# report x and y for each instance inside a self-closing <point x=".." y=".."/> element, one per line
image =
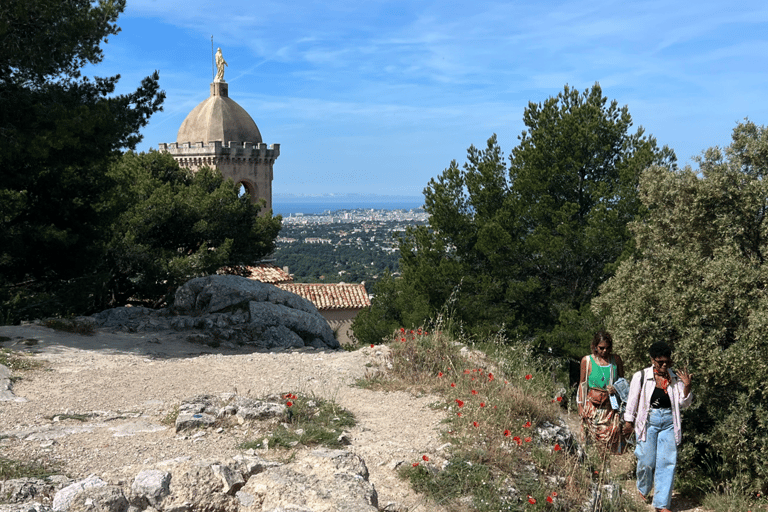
<point x="219" y="118"/>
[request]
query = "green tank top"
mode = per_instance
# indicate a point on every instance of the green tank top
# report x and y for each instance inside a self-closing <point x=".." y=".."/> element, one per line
<point x="600" y="376"/>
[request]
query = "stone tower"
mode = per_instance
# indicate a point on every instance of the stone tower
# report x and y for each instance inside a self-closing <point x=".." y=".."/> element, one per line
<point x="219" y="133"/>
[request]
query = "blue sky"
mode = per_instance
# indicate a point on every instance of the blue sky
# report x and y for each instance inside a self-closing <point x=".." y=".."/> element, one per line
<point x="379" y="96"/>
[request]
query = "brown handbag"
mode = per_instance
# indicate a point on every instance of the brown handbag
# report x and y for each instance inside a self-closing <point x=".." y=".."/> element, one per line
<point x="597" y="396"/>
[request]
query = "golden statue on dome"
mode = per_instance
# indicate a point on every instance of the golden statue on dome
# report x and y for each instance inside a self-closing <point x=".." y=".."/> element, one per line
<point x="220" y="63"/>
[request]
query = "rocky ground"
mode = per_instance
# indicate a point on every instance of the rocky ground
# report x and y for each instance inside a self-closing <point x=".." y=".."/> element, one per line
<point x="129" y="383"/>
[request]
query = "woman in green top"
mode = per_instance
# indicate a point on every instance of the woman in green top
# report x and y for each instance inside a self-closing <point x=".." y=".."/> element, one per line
<point x="598" y="373"/>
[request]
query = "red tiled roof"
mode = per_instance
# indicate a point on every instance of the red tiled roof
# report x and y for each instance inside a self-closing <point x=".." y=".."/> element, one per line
<point x="264" y="272"/>
<point x="331" y="295"/>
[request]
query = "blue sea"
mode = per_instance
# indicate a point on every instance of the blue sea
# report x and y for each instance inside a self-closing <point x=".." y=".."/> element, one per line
<point x="286" y="208"/>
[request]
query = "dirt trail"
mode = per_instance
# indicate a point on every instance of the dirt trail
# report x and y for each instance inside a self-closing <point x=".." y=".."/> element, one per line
<point x="134" y="380"/>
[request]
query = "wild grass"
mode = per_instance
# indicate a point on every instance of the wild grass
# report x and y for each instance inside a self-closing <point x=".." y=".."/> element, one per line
<point x="308" y="421"/>
<point x="499" y="397"/>
<point x="16" y="361"/>
<point x="171" y="416"/>
<point x="727" y="500"/>
<point x="10" y="469"/>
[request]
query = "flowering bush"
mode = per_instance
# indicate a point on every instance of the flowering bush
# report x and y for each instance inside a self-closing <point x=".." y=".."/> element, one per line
<point x="493" y="411"/>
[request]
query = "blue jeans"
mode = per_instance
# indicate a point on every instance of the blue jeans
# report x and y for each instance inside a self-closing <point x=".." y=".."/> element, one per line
<point x="657" y="458"/>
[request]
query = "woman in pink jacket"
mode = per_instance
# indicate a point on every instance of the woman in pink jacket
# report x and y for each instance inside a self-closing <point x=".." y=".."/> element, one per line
<point x="657" y="394"/>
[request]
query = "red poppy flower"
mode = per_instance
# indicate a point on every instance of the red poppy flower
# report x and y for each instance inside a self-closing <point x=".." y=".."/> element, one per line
<point x="517" y="440"/>
<point x="559" y="399"/>
<point x="474" y="392"/>
<point x="459" y="403"/>
<point x="528" y="377"/>
<point x="557" y="447"/>
<point x="528" y="439"/>
<point x="458" y="414"/>
<point x="402" y="340"/>
<point x="507" y="433"/>
<point x="482" y="404"/>
<point x="453" y="384"/>
<point x="425" y="458"/>
<point x="527" y="424"/>
<point x="475" y="424"/>
<point x="415" y="464"/>
<point x="371" y="345"/>
<point x="549" y="499"/>
<point x="554" y="493"/>
<point x="440" y="374"/>
<point x="289" y="404"/>
<point x="294" y="397"/>
<point x="402" y="329"/>
<point x="467" y="371"/>
<point x="531" y="500"/>
<point x="490" y="376"/>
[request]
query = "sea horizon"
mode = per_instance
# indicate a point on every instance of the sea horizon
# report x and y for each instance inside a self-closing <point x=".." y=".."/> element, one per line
<point x="287" y="205"/>
<point x="314" y="208"/>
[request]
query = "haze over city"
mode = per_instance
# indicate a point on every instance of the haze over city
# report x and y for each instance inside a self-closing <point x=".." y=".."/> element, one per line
<point x="378" y="97"/>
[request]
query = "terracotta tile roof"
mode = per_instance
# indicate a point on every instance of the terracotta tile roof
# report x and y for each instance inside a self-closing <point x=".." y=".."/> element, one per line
<point x="264" y="272"/>
<point x="331" y="295"/>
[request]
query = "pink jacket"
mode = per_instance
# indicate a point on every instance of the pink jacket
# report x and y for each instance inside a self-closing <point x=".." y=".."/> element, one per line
<point x="639" y="401"/>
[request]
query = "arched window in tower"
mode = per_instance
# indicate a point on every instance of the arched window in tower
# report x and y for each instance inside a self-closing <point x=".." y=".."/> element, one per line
<point x="245" y="188"/>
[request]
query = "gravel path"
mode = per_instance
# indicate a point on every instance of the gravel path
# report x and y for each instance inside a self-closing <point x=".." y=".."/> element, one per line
<point x="132" y="381"/>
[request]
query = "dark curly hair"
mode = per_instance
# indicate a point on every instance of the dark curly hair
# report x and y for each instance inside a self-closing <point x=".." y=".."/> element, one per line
<point x="659" y="349"/>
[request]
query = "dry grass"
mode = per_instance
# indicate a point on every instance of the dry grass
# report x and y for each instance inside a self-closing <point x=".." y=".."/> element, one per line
<point x="16" y="361"/>
<point x="496" y="405"/>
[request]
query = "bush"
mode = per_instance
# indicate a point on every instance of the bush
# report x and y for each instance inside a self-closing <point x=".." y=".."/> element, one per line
<point x="699" y="284"/>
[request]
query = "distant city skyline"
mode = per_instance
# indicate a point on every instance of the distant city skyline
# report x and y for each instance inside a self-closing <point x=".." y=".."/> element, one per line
<point x="379" y="97"/>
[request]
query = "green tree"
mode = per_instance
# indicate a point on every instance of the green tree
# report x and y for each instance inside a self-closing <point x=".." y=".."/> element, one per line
<point x="172" y="225"/>
<point x="523" y="248"/>
<point x="699" y="282"/>
<point x="393" y="308"/>
<point x="58" y="133"/>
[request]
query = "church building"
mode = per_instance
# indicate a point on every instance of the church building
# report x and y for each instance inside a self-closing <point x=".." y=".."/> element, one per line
<point x="220" y="134"/>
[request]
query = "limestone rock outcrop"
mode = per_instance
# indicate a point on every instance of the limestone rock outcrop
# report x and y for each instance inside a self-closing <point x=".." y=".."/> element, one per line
<point x="230" y="310"/>
<point x="324" y="480"/>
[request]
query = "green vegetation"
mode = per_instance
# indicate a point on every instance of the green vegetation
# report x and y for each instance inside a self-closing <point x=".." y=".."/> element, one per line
<point x="309" y="421"/>
<point x="16" y="361"/>
<point x="10" y="469"/>
<point x="173" y="225"/>
<point x="698" y="282"/>
<point x="83" y="226"/>
<point x="522" y="248"/>
<point x="333" y="263"/>
<point x="496" y="397"/>
<point x="59" y="131"/>
<point x="592" y="226"/>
